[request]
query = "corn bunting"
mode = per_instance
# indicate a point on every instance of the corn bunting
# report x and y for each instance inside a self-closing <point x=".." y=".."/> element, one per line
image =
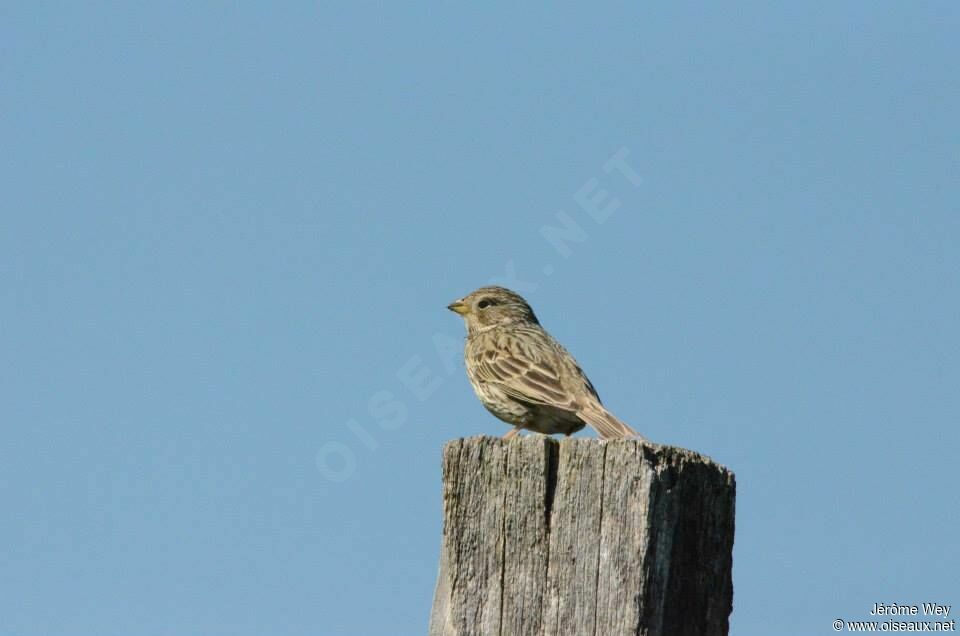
<point x="522" y="375"/>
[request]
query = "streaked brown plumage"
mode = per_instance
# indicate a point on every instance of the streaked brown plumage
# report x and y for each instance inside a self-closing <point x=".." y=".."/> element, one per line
<point x="522" y="374"/>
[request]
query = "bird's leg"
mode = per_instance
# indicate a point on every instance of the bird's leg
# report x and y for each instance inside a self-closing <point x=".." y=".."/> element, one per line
<point x="511" y="434"/>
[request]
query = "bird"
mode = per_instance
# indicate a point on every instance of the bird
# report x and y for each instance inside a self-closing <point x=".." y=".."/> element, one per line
<point x="522" y="374"/>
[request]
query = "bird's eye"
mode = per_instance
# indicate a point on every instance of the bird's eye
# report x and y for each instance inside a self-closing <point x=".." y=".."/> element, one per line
<point x="483" y="304"/>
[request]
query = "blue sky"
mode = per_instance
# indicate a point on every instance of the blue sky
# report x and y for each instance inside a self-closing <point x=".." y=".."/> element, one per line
<point x="229" y="234"/>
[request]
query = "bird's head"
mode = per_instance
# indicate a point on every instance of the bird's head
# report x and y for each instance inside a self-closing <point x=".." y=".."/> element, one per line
<point x="491" y="306"/>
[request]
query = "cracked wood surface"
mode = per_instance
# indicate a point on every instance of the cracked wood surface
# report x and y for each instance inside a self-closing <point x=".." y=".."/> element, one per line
<point x="583" y="537"/>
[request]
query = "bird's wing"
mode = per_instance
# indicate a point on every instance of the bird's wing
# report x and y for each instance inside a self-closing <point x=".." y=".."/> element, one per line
<point x="525" y="373"/>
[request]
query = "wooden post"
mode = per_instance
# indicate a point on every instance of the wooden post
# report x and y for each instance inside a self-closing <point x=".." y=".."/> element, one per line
<point x="583" y="537"/>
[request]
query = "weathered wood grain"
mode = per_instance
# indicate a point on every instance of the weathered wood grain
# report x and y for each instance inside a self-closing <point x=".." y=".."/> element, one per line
<point x="583" y="537"/>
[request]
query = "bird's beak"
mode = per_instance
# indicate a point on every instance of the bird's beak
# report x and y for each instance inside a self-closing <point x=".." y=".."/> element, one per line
<point x="459" y="307"/>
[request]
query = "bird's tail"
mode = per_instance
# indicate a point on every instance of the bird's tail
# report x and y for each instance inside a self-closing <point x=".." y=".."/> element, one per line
<point x="606" y="424"/>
